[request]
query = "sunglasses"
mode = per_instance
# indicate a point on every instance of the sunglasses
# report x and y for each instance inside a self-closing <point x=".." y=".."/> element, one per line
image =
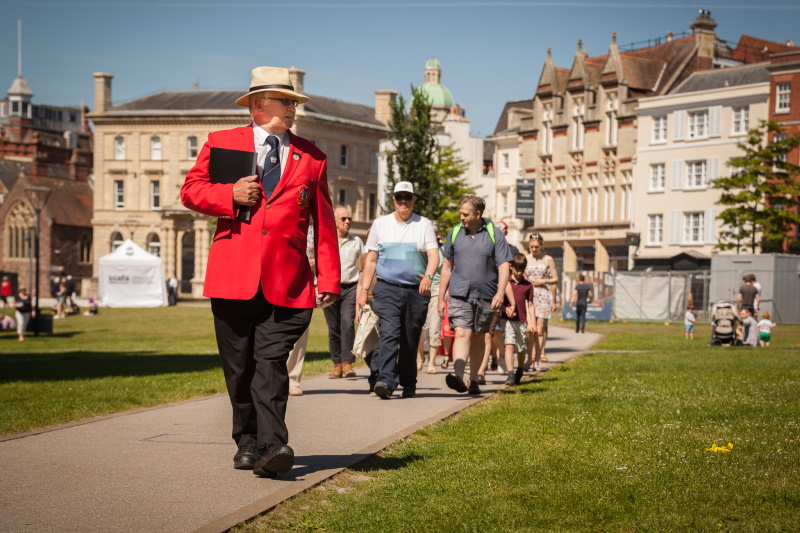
<point x="346" y="219"/>
<point x="403" y="197"/>
<point x="284" y="101"/>
<point x="535" y="236"/>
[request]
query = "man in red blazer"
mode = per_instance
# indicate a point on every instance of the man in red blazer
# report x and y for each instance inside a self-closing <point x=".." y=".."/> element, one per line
<point x="258" y="276"/>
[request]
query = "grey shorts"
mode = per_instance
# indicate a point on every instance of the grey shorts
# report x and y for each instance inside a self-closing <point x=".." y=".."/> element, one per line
<point x="473" y="313"/>
<point x="515" y="333"/>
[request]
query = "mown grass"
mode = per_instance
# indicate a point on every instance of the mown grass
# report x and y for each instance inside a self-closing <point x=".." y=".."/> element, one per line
<point x="615" y="441"/>
<point x="118" y="360"/>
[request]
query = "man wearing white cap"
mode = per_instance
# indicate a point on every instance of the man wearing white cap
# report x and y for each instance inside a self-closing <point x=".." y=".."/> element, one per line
<point x="405" y="255"/>
<point x="258" y="276"/>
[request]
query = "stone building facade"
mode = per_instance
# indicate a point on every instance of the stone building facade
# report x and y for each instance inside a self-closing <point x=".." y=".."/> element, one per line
<point x="685" y="140"/>
<point x="145" y="147"/>
<point x="579" y="145"/>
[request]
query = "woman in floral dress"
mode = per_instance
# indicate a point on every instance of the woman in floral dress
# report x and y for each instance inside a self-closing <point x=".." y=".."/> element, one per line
<point x="541" y="272"/>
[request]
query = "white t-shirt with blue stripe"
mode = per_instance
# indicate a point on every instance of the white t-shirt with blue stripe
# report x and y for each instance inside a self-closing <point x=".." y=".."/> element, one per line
<point x="402" y="247"/>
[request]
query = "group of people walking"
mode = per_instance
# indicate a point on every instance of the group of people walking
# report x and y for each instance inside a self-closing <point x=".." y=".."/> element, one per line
<point x="263" y="289"/>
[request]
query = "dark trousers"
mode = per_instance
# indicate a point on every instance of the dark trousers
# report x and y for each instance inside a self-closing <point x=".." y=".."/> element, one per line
<point x="580" y="317"/>
<point x="341" y="317"/>
<point x="254" y="339"/>
<point x="401" y="312"/>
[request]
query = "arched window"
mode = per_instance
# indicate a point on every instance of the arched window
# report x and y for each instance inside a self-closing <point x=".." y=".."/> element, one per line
<point x="86" y="249"/>
<point x="20" y="231"/>
<point x="119" y="148"/>
<point x="116" y="240"/>
<point x="191" y="148"/>
<point x="155" y="148"/>
<point x="154" y="244"/>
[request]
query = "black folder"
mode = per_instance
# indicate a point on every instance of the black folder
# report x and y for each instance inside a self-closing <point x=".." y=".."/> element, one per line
<point x="229" y="166"/>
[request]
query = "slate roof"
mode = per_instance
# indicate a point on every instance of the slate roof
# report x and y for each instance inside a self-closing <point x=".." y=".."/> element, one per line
<point x="502" y="122"/>
<point x="726" y="77"/>
<point x="9" y="171"/>
<point x="70" y="201"/>
<point x="204" y="101"/>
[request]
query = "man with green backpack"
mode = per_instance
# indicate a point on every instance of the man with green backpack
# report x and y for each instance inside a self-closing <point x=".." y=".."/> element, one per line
<point x="475" y="270"/>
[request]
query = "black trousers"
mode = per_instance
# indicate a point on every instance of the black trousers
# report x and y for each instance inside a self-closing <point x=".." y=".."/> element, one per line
<point x="580" y="317"/>
<point x="401" y="312"/>
<point x="254" y="339"/>
<point x="341" y="317"/>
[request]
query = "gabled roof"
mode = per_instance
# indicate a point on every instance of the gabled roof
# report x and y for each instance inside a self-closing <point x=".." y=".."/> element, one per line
<point x="502" y="122"/>
<point x="70" y="201"/>
<point x="725" y="77"/>
<point x="751" y="49"/>
<point x="195" y="101"/>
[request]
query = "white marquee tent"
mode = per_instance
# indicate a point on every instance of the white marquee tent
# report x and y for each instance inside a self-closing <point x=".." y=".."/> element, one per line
<point x="131" y="277"/>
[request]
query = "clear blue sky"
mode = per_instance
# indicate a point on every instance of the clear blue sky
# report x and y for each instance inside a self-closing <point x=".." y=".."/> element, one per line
<point x="490" y="52"/>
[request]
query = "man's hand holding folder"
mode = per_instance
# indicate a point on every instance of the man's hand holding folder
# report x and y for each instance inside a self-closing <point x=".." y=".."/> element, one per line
<point x="237" y="167"/>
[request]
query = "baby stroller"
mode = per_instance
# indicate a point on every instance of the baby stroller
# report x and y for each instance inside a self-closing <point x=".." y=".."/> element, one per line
<point x="724" y="318"/>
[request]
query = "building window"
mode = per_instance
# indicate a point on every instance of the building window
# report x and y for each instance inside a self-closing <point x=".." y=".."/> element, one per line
<point x="612" y="126"/>
<point x="154" y="245"/>
<point x="657" y="173"/>
<point x="504" y="203"/>
<point x="119" y="148"/>
<point x="373" y="162"/>
<point x="372" y="207"/>
<point x="698" y="124"/>
<point x="693" y="226"/>
<point x="783" y="97"/>
<point x="506" y="163"/>
<point x="19" y="234"/>
<point x="655" y="229"/>
<point x="660" y="129"/>
<point x="741" y="117"/>
<point x="576" y="205"/>
<point x="547" y="131"/>
<point x="626" y="191"/>
<point x="610" y="197"/>
<point x="191" y="148"/>
<point x="155" y="195"/>
<point x="696" y="174"/>
<point x="155" y="148"/>
<point x="119" y="195"/>
<point x="593" y="199"/>
<point x="86" y="249"/>
<point x="344" y="159"/>
<point x="577" y="125"/>
<point x="342" y="197"/>
<point x="116" y="240"/>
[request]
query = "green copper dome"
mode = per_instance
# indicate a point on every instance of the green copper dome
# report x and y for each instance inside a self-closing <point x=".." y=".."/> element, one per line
<point x="438" y="94"/>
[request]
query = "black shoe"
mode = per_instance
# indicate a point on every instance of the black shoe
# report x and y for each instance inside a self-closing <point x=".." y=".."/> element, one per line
<point x="473" y="388"/>
<point x="245" y="458"/>
<point x="518" y="376"/>
<point x="493" y="366"/>
<point x="481" y="379"/>
<point x="274" y="459"/>
<point x="382" y="390"/>
<point x="371" y="386"/>
<point x="455" y="383"/>
<point x="509" y="379"/>
<point x="408" y="392"/>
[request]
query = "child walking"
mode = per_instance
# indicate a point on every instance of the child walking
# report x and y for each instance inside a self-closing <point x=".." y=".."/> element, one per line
<point x="765" y="326"/>
<point x="689" y="321"/>
<point x="514" y="323"/>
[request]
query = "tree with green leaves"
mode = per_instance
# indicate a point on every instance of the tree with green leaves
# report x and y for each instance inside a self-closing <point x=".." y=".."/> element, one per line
<point x="761" y="192"/>
<point x="436" y="171"/>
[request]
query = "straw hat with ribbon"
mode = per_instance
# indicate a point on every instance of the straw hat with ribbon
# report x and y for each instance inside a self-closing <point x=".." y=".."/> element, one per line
<point x="275" y="79"/>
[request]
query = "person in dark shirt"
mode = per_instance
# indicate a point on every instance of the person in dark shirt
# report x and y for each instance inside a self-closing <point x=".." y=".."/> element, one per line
<point x="748" y="297"/>
<point x="23" y="311"/>
<point x="581" y="296"/>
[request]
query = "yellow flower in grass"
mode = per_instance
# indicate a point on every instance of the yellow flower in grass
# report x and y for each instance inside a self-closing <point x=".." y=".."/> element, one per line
<point x="721" y="449"/>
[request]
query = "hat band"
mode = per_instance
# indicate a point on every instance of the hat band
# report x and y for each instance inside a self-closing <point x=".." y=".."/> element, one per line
<point x="267" y="87"/>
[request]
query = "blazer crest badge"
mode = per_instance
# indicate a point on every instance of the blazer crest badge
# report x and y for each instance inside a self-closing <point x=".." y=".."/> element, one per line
<point x="303" y="194"/>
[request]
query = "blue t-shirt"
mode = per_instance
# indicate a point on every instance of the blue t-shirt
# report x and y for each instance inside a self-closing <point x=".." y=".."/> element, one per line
<point x="686" y="319"/>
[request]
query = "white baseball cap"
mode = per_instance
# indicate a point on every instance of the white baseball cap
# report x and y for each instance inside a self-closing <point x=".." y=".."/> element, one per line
<point x="404" y="186"/>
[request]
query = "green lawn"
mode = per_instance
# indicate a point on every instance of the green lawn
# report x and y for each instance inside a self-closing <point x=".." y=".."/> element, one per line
<point x="615" y="441"/>
<point x="118" y="360"/>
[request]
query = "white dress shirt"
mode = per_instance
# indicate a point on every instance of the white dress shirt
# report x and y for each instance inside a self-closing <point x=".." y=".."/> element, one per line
<point x="260" y="143"/>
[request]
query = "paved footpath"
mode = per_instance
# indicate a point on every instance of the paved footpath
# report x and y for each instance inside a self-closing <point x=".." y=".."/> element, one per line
<point x="169" y="468"/>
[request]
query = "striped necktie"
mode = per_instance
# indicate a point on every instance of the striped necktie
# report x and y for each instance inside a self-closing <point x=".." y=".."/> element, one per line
<point x="272" y="167"/>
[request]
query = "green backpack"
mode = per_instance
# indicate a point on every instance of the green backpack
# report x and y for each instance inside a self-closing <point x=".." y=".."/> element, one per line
<point x="489" y="229"/>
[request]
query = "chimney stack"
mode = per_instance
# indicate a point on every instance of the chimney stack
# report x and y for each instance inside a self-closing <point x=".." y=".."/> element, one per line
<point x="703" y="28"/>
<point x="383" y="104"/>
<point x="102" y="91"/>
<point x="297" y="76"/>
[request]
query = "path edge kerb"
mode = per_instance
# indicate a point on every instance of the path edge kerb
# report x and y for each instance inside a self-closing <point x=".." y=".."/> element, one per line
<point x="267" y="503"/>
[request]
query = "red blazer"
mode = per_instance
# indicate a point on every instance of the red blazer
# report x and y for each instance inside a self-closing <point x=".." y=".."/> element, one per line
<point x="270" y="249"/>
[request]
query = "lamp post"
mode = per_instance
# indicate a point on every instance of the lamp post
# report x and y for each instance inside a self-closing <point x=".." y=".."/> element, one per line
<point x="38" y="198"/>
